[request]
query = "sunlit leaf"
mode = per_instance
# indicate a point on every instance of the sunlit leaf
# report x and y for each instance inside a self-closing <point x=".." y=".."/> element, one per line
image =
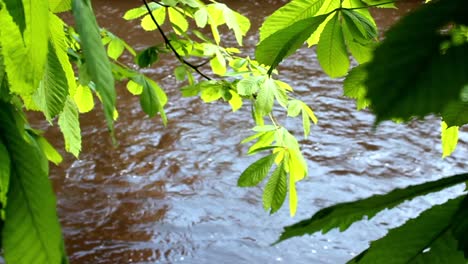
<point x="282" y="43"/>
<point x="53" y="89"/>
<point x="84" y="99"/>
<point x="137" y="12"/>
<point x="449" y="138"/>
<point x="69" y="124"/>
<point x="236" y="101"/>
<point x="249" y="86"/>
<point x="26" y="46"/>
<point x="256" y="172"/>
<point x="275" y="190"/>
<point x="288" y="15"/>
<point x="49" y="151"/>
<point x="58" y="6"/>
<point x="179" y="22"/>
<point x="331" y="49"/>
<point x="147" y="22"/>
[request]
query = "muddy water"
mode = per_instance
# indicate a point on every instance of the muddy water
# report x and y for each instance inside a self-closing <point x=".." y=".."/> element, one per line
<point x="168" y="195"/>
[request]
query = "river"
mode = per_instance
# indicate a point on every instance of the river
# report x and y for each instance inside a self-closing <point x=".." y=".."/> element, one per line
<point x="169" y="195"/>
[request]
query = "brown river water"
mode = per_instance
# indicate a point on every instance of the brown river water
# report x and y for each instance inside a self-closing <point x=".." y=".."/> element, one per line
<point x="169" y="195"/>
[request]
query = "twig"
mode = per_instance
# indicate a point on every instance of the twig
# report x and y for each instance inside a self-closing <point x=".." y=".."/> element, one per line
<point x="168" y="44"/>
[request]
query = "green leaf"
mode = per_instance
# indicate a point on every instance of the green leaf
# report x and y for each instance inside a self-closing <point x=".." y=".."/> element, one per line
<point x="282" y="43"/>
<point x="236" y="101"/>
<point x="343" y="215"/>
<point x="288" y="15"/>
<point x="84" y="99"/>
<point x="17" y="12"/>
<point x="235" y="21"/>
<point x="407" y="243"/>
<point x="180" y="72"/>
<point x="294" y="108"/>
<point x="53" y="89"/>
<point x="178" y="21"/>
<point x="249" y="85"/>
<point x="147" y="57"/>
<point x="69" y="124"/>
<point x="134" y="87"/>
<point x="212" y="92"/>
<point x="218" y="64"/>
<point x="354" y="86"/>
<point x="460" y="227"/>
<point x="449" y="138"/>
<point x="5" y="170"/>
<point x="153" y="98"/>
<point x="201" y="17"/>
<point x="266" y="97"/>
<point x="423" y="79"/>
<point x="147" y="22"/>
<point x="275" y="190"/>
<point x="49" y="151"/>
<point x="28" y="47"/>
<point x="456" y="113"/>
<point x="264" y="140"/>
<point x="31" y="232"/>
<point x="137" y="12"/>
<point x="305" y="124"/>
<point x="98" y="65"/>
<point x="256" y="172"/>
<point x="360" y="26"/>
<point x="60" y="44"/>
<point x="331" y="49"/>
<point x="115" y="49"/>
<point x="58" y="6"/>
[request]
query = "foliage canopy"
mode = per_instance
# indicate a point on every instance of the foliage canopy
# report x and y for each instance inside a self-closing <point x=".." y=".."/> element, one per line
<point x="420" y="66"/>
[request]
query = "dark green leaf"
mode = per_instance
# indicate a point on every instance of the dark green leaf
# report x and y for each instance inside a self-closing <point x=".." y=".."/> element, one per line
<point x="360" y="26"/>
<point x="256" y="172"/>
<point x="153" y="98"/>
<point x="456" y="114"/>
<point x="147" y="57"/>
<point x="275" y="190"/>
<point x="410" y="70"/>
<point x="31" y="231"/>
<point x="16" y="10"/>
<point x="4" y="177"/>
<point x="343" y="215"/>
<point x="272" y="50"/>
<point x="425" y="238"/>
<point x="460" y="227"/>
<point x="98" y="64"/>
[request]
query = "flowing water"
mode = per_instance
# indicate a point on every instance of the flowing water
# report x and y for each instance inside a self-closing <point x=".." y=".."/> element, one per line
<point x="168" y="195"/>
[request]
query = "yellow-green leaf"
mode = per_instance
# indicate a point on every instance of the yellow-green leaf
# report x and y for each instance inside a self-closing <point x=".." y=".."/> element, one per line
<point x="84" y="99"/>
<point x="331" y="49"/>
<point x="449" y="137"/>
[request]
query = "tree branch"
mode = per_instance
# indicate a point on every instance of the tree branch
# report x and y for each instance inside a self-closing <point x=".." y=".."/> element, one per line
<point x="168" y="44"/>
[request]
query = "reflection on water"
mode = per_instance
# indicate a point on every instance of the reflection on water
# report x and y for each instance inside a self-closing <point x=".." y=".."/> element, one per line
<point x="169" y="194"/>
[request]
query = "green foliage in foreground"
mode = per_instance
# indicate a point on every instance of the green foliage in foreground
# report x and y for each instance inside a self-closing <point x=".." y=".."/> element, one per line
<point x="419" y="68"/>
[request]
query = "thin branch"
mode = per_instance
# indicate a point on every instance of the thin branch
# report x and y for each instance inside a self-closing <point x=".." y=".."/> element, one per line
<point x="168" y="43"/>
